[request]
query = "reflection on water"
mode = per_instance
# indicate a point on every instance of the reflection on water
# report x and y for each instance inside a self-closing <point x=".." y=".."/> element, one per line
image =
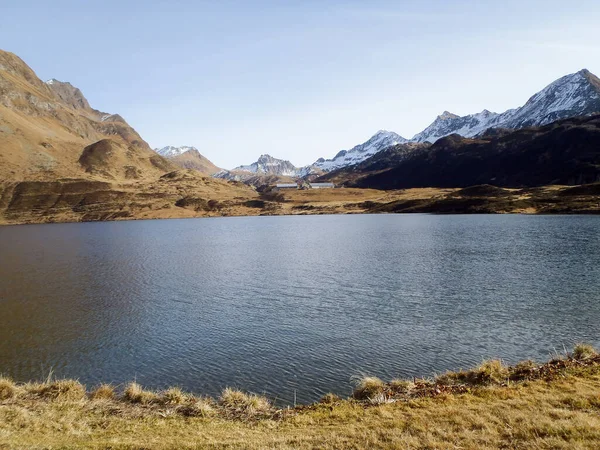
<point x="277" y="304"/>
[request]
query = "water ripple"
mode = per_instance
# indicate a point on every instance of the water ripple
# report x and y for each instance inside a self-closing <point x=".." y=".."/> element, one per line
<point x="279" y="305"/>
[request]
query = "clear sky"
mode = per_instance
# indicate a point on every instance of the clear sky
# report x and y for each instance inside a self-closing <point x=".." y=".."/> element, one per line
<point x="299" y="79"/>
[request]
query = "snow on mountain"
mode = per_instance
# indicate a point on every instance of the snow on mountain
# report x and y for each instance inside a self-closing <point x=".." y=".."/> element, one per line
<point x="170" y="151"/>
<point x="572" y="95"/>
<point x="266" y="164"/>
<point x="448" y="123"/>
<point x="577" y="94"/>
<point x="308" y="170"/>
<point x="69" y="94"/>
<point x="381" y="140"/>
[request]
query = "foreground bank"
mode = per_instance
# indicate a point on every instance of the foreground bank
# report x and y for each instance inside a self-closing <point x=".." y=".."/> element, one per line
<point x="553" y="405"/>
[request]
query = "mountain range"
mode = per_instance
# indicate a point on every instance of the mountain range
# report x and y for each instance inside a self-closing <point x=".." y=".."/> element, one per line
<point x="565" y="152"/>
<point x="63" y="160"/>
<point x="49" y="128"/>
<point x="573" y="95"/>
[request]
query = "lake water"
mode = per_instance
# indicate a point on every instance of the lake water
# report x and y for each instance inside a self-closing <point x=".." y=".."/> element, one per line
<point x="282" y="304"/>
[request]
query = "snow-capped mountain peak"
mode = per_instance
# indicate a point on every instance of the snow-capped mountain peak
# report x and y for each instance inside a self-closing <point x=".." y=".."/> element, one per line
<point x="449" y="123"/>
<point x="446" y="115"/>
<point x="169" y="151"/>
<point x="577" y="94"/>
<point x="379" y="141"/>
<point x="266" y="164"/>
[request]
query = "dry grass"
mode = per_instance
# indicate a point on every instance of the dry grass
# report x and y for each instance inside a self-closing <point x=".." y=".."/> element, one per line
<point x="103" y="392"/>
<point x="134" y="393"/>
<point x="488" y="372"/>
<point x="58" y="390"/>
<point x="554" y="405"/>
<point x="584" y="351"/>
<point x="401" y="386"/>
<point x="8" y="389"/>
<point x="174" y="396"/>
<point x="242" y="405"/>
<point x="198" y="408"/>
<point x="368" y="387"/>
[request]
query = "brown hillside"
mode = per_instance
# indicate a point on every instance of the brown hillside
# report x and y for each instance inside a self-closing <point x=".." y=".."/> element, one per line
<point x="110" y="159"/>
<point x="192" y="159"/>
<point x="44" y="128"/>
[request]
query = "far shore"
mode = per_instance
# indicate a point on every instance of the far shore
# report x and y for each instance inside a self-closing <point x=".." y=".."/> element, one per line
<point x="84" y="201"/>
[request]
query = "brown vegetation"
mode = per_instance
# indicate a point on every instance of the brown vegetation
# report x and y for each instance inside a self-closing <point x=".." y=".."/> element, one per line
<point x="551" y="405"/>
<point x="183" y="194"/>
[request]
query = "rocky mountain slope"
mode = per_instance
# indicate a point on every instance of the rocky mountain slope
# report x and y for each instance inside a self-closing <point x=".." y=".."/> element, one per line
<point x="566" y="152"/>
<point x="45" y="127"/>
<point x="379" y="162"/>
<point x="268" y="170"/>
<point x="188" y="158"/>
<point x="573" y="95"/>
<point x="182" y="193"/>
<point x="61" y="160"/>
<point x="379" y="141"/>
<point x="268" y="165"/>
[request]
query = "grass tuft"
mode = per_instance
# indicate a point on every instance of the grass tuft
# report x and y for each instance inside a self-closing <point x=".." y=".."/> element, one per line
<point x="238" y="402"/>
<point x="232" y="398"/>
<point x="103" y="392"/>
<point x="489" y="372"/>
<point x="58" y="390"/>
<point x="401" y="386"/>
<point x="174" y="396"/>
<point x="582" y="352"/>
<point x="368" y="387"/>
<point x="198" y="408"/>
<point x="8" y="389"/>
<point x="134" y="393"/>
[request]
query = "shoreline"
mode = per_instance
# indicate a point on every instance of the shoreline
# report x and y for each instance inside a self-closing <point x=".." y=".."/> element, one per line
<point x="330" y="213"/>
<point x="192" y="197"/>
<point x="368" y="213"/>
<point x="63" y="413"/>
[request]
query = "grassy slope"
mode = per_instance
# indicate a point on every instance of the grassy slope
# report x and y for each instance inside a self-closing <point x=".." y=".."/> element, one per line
<point x="186" y="194"/>
<point x="556" y="407"/>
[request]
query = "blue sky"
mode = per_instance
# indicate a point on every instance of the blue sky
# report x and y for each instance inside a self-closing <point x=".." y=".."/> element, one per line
<point x="299" y="79"/>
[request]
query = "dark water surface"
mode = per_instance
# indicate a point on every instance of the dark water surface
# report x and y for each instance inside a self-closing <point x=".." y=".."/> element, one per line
<point x="277" y="304"/>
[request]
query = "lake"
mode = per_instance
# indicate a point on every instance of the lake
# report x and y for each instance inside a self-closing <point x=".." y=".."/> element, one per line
<point x="278" y="305"/>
